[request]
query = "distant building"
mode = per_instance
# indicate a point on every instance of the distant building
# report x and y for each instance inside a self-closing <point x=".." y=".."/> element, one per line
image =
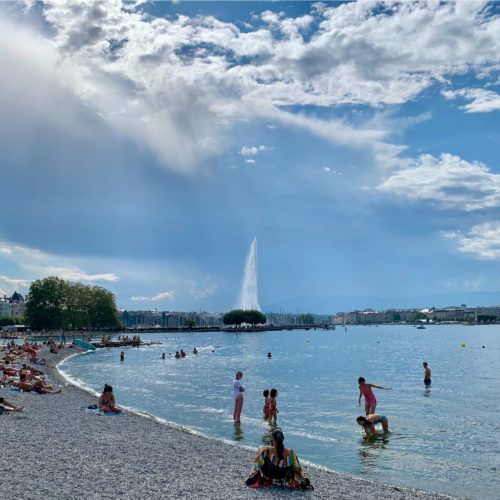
<point x="13" y="306"/>
<point x="167" y="319"/>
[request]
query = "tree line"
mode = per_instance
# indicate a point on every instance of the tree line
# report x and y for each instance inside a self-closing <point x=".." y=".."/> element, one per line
<point x="54" y="303"/>
<point x="11" y="320"/>
<point x="239" y="316"/>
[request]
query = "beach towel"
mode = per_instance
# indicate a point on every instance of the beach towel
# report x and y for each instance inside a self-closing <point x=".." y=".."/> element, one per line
<point x="96" y="410"/>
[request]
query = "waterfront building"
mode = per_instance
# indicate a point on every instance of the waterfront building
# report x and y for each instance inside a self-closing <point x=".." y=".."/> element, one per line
<point x="13" y="306"/>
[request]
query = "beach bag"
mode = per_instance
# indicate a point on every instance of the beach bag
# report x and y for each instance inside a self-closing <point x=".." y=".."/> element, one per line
<point x="254" y="480"/>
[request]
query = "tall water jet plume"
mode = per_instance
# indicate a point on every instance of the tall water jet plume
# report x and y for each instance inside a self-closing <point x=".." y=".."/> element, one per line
<point x="249" y="291"/>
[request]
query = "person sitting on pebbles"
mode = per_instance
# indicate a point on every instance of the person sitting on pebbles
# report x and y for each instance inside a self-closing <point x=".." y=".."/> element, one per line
<point x="277" y="463"/>
<point x="107" y="400"/>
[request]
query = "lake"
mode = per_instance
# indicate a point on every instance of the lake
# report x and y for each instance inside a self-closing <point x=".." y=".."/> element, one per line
<point x="444" y="438"/>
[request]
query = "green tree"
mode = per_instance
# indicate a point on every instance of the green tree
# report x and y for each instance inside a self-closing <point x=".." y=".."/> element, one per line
<point x="239" y="316"/>
<point x="254" y="317"/>
<point x="8" y="320"/>
<point x="45" y="303"/>
<point x="234" y="317"/>
<point x="189" y="322"/>
<point x="55" y="303"/>
<point x="77" y="300"/>
<point x="101" y="308"/>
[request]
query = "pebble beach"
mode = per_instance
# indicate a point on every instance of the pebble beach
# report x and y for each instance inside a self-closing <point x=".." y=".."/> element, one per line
<point x="55" y="450"/>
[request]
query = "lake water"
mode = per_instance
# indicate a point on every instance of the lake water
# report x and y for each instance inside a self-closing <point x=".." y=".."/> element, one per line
<point x="444" y="439"/>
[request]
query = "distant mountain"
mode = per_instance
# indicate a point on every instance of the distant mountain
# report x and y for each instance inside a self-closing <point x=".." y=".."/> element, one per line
<point x="332" y="304"/>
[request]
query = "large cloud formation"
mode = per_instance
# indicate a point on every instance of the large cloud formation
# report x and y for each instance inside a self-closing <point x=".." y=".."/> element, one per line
<point x="448" y="182"/>
<point x="177" y="84"/>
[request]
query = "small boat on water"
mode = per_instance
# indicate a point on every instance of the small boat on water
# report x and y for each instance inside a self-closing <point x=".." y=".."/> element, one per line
<point x="420" y="327"/>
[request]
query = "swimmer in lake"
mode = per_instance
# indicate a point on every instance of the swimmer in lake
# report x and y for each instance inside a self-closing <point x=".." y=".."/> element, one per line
<point x="427" y="374"/>
<point x="368" y="423"/>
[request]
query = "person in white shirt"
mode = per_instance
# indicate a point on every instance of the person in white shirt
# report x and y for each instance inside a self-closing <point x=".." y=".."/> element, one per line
<point x="238" y="396"/>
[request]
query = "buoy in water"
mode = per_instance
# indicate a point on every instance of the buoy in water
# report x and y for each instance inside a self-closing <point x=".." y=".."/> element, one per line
<point x="463" y="344"/>
<point x="307" y="340"/>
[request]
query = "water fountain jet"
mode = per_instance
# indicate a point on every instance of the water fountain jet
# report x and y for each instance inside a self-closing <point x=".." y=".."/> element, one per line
<point x="249" y="291"/>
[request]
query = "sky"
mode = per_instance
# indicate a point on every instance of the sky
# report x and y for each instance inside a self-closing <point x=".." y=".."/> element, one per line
<point x="143" y="146"/>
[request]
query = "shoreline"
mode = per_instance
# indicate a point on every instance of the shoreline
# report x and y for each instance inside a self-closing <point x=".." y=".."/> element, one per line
<point x="74" y="453"/>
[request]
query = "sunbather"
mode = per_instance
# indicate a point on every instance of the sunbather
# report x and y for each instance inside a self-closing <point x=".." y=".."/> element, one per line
<point x="6" y="406"/>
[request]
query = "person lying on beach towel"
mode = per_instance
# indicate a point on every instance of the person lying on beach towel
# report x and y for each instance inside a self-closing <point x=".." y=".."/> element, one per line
<point x="6" y="406"/>
<point x="276" y="462"/>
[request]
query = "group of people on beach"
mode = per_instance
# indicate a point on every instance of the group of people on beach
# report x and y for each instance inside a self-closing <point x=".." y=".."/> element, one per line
<point x="18" y="375"/>
<point x="273" y="462"/>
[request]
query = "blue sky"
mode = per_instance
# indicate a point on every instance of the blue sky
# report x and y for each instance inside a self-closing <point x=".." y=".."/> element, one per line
<point x="143" y="147"/>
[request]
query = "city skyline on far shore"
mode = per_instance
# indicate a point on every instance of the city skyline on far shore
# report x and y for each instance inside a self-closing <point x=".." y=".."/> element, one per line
<point x="145" y="145"/>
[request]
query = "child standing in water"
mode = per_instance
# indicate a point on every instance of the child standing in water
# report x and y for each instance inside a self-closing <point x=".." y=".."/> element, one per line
<point x="366" y="391"/>
<point x="267" y="403"/>
<point x="273" y="411"/>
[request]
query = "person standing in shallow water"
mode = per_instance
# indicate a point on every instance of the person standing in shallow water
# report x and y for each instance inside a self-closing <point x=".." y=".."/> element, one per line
<point x="238" y="390"/>
<point x="427" y="374"/>
<point x="366" y="391"/>
<point x="122" y="356"/>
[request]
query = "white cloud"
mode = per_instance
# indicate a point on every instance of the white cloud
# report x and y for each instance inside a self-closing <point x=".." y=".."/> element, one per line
<point x="10" y="285"/>
<point x="331" y="171"/>
<point x="42" y="264"/>
<point x="482" y="240"/>
<point x="447" y="182"/>
<point x="157" y="297"/>
<point x="476" y="283"/>
<point x="252" y="150"/>
<point x="155" y="81"/>
<point x="210" y="289"/>
<point x="482" y="101"/>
